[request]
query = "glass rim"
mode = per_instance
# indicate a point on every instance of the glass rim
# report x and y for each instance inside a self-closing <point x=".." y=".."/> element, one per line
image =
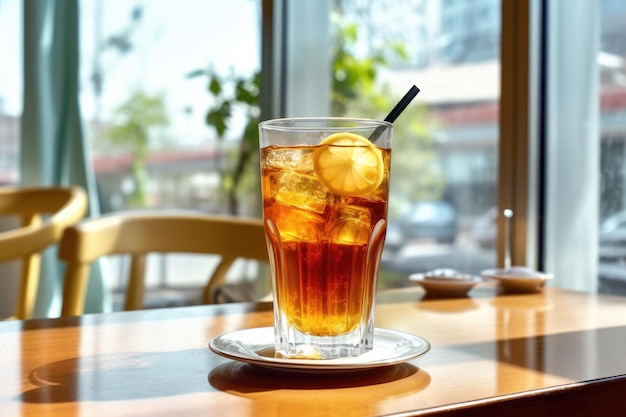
<point x="316" y="123"/>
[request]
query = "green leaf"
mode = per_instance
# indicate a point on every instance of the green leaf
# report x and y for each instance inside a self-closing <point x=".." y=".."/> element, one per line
<point x="215" y="86"/>
<point x="196" y="73"/>
<point x="243" y="95"/>
<point x="215" y="118"/>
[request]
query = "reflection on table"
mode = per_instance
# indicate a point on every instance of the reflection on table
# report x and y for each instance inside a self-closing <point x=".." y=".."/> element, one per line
<point x="490" y="354"/>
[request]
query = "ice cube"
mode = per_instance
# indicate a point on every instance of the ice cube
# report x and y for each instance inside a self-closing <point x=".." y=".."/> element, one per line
<point x="292" y="159"/>
<point x="349" y="224"/>
<point x="302" y="191"/>
<point x="295" y="224"/>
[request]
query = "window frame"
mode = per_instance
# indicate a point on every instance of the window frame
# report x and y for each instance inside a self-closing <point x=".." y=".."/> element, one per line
<point x="520" y="169"/>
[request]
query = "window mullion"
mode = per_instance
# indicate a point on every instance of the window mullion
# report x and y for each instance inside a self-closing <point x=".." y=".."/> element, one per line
<point x="515" y="129"/>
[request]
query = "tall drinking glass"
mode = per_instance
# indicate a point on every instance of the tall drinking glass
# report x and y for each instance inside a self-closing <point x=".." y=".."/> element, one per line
<point x="325" y="185"/>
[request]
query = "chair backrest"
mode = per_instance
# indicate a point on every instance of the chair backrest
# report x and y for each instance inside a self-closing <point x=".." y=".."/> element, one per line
<point x="140" y="233"/>
<point x="44" y="213"/>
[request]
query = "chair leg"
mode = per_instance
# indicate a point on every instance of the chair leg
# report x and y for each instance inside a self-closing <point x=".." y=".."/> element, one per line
<point x="29" y="284"/>
<point x="75" y="289"/>
<point x="136" y="287"/>
<point x="217" y="278"/>
<point x="31" y="267"/>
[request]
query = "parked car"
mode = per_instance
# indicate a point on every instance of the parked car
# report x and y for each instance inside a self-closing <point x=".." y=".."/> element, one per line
<point x="613" y="230"/>
<point x="394" y="240"/>
<point x="485" y="228"/>
<point x="612" y="236"/>
<point x="430" y="220"/>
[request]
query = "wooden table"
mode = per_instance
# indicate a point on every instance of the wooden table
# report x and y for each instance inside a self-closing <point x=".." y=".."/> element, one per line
<point x="555" y="353"/>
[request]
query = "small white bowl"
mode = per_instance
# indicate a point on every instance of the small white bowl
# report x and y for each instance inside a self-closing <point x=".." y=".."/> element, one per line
<point x="518" y="279"/>
<point x="445" y="282"/>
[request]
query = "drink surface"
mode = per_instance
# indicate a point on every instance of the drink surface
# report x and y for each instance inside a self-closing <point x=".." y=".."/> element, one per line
<point x="325" y="244"/>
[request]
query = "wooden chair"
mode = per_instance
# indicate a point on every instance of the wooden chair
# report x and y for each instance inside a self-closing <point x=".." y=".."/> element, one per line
<point x="43" y="212"/>
<point x="140" y="233"/>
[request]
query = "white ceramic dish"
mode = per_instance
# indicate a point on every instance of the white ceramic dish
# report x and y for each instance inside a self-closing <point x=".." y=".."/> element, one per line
<point x="518" y="278"/>
<point x="256" y="346"/>
<point x="445" y="282"/>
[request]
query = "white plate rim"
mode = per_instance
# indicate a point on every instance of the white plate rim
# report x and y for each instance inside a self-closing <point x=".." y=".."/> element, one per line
<point x="445" y="282"/>
<point x="452" y="287"/>
<point x="231" y="345"/>
<point x="499" y="273"/>
<point x="473" y="279"/>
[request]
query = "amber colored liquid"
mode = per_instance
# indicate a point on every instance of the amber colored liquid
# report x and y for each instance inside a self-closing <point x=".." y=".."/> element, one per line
<point x="325" y="248"/>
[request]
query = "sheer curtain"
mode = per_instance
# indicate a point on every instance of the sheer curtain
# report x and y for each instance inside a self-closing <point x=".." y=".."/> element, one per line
<point x="53" y="148"/>
<point x="572" y="160"/>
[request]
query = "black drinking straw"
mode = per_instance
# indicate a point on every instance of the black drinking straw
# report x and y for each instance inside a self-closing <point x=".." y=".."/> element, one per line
<point x="395" y="112"/>
<point x="399" y="108"/>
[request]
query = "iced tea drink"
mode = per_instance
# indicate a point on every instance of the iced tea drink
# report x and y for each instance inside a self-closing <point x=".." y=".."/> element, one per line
<point x="325" y="184"/>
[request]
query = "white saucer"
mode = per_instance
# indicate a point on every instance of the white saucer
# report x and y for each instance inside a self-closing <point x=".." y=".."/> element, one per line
<point x="519" y="278"/>
<point x="446" y="282"/>
<point x="256" y="346"/>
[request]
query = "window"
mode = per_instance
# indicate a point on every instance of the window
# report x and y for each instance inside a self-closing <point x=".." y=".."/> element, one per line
<point x="550" y="145"/>
<point x="10" y="110"/>
<point x="10" y="89"/>
<point x="585" y="137"/>
<point x="137" y="57"/>
<point x="445" y="156"/>
<point x="611" y="61"/>
<point x="150" y="72"/>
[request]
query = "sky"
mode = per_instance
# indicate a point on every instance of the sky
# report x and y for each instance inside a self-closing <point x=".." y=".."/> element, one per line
<point x="171" y="39"/>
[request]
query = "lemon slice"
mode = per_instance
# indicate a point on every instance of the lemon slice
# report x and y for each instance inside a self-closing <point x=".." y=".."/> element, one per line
<point x="348" y="164"/>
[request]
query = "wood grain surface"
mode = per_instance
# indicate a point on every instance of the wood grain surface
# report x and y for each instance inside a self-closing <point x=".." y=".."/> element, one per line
<point x="552" y="353"/>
